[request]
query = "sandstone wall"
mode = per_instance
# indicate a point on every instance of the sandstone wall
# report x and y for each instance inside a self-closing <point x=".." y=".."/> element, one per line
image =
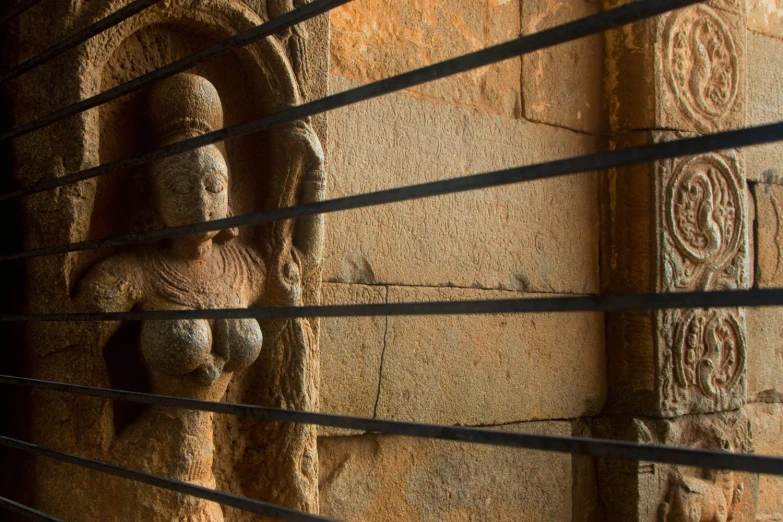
<point x="532" y="373"/>
<point x="765" y="173"/>
<point x="548" y="373"/>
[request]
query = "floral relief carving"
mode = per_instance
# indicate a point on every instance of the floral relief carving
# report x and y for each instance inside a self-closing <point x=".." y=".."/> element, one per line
<point x="701" y="66"/>
<point x="705" y="231"/>
<point x="704" y="358"/>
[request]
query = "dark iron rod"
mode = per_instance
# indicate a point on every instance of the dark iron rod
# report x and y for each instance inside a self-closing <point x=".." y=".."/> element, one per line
<point x="26" y="511"/>
<point x="593" y="24"/>
<point x="78" y="37"/>
<point x="227" y="499"/>
<point x="579" y="303"/>
<point x="16" y="10"/>
<point x="586" y="163"/>
<point x="579" y="445"/>
<point x="280" y="23"/>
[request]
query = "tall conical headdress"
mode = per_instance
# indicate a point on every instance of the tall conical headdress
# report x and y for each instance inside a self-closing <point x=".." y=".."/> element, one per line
<point x="183" y="106"/>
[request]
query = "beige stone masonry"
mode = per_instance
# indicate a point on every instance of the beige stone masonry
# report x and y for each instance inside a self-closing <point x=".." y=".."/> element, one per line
<point x="767" y="423"/>
<point x="563" y="85"/>
<point x="375" y="478"/>
<point x="765" y="354"/>
<point x="768" y="200"/>
<point x="766" y="17"/>
<point x="375" y="39"/>
<point x="765" y="105"/>
<point x="490" y="369"/>
<point x="351" y="352"/>
<point x="539" y="237"/>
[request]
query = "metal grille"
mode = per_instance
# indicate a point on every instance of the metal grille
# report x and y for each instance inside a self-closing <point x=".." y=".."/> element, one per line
<point x="633" y="12"/>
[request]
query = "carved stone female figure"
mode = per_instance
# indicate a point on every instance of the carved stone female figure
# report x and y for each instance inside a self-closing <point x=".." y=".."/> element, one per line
<point x="196" y="358"/>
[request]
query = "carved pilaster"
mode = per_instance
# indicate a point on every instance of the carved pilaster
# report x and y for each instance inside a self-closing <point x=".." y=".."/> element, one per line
<point x="677" y="376"/>
<point x="652" y="492"/>
<point x="682" y="224"/>
<point x="677" y="225"/>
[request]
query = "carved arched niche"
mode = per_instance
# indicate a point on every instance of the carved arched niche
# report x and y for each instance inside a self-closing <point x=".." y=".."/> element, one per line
<point x="268" y="461"/>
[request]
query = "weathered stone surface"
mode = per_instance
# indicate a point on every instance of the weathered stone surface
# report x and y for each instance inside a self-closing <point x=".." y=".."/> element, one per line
<point x="375" y="478"/>
<point x="766" y="16"/>
<point x="767" y="423"/>
<point x="376" y="39"/>
<point x="271" y="265"/>
<point x="540" y="236"/>
<point x="765" y="354"/>
<point x="563" y="85"/>
<point x="676" y="225"/>
<point x="490" y="369"/>
<point x="652" y="492"/>
<point x="768" y="200"/>
<point x="683" y="71"/>
<point x="351" y="352"/>
<point x="765" y="105"/>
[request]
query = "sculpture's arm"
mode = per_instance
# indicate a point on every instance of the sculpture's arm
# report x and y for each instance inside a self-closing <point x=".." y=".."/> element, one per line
<point x="113" y="285"/>
<point x="305" y="177"/>
<point x="309" y="230"/>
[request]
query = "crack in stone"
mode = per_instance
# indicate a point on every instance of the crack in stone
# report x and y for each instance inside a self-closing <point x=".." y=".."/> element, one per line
<point x="383" y="356"/>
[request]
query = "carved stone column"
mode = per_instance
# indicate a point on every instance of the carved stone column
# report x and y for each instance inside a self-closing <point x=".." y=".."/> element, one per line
<point x="677" y="377"/>
<point x="274" y="363"/>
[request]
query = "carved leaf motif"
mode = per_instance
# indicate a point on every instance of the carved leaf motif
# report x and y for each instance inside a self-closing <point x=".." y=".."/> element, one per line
<point x="707" y="355"/>
<point x="705" y="212"/>
<point x="702" y="66"/>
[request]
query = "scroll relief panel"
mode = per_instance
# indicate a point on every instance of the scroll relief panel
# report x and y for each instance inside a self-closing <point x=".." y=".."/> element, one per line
<point x="703" y="246"/>
<point x="684" y="71"/>
<point x="702" y="65"/>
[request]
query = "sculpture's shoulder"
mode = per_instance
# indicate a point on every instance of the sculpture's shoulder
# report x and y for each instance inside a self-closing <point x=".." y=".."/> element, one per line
<point x="115" y="283"/>
<point x="246" y="257"/>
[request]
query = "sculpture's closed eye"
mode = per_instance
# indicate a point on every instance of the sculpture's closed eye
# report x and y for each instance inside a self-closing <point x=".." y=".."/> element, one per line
<point x="182" y="185"/>
<point x="216" y="186"/>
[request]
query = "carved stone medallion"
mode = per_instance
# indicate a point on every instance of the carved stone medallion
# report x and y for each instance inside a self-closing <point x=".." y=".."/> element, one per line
<point x="701" y="66"/>
<point x="704" y="359"/>
<point x="705" y="224"/>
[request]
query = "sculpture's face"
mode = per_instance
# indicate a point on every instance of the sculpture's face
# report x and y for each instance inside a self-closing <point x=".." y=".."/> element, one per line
<point x="192" y="188"/>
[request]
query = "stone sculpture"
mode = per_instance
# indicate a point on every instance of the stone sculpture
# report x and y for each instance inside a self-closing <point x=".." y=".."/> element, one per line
<point x="265" y="265"/>
<point x="196" y="358"/>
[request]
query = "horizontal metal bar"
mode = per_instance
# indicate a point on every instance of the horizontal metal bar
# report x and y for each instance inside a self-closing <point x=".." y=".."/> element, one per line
<point x="628" y="13"/>
<point x="271" y="27"/>
<point x="227" y="499"/>
<point x="16" y="10"/>
<point x="581" y="303"/>
<point x="78" y="38"/>
<point x="590" y="162"/>
<point x="577" y="445"/>
<point x="27" y="511"/>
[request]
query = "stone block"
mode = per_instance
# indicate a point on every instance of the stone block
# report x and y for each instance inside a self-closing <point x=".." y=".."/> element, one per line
<point x="676" y="225"/>
<point x="638" y="491"/>
<point x="765" y="103"/>
<point x="540" y="236"/>
<point x="767" y="423"/>
<point x="563" y="85"/>
<point x="490" y="369"/>
<point x="766" y="17"/>
<point x="765" y="354"/>
<point x="768" y="200"/>
<point x="351" y="351"/>
<point x="375" y="39"/>
<point x="374" y="478"/>
<point x="683" y="71"/>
